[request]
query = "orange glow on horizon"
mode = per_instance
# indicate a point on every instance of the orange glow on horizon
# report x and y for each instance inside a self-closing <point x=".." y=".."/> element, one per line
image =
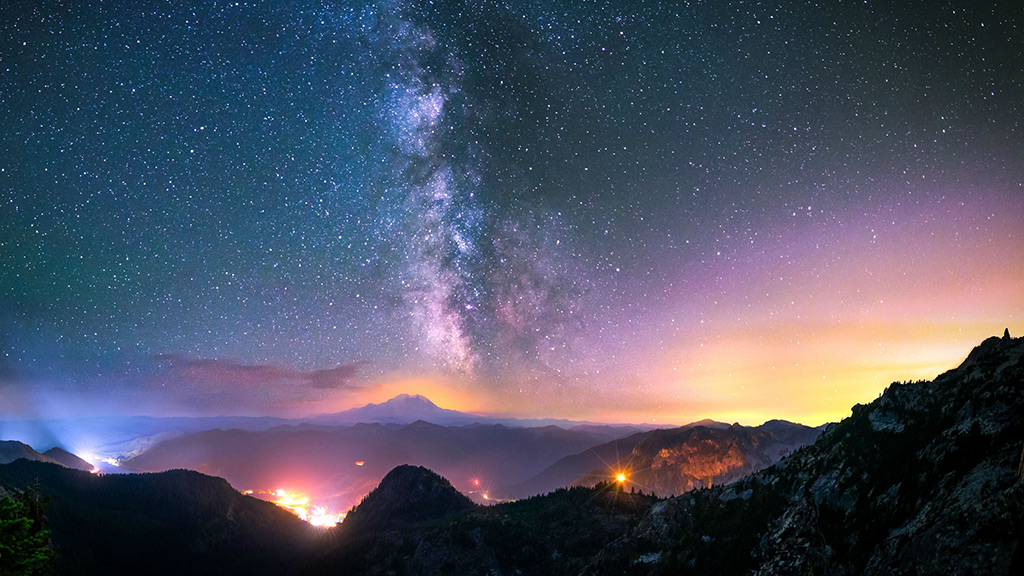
<point x="452" y="395"/>
<point x="301" y="506"/>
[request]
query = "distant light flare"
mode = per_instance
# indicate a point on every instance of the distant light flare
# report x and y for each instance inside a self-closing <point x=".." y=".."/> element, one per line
<point x="300" y="505"/>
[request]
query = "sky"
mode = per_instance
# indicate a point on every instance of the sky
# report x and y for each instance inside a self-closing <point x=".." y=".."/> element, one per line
<point x="622" y="211"/>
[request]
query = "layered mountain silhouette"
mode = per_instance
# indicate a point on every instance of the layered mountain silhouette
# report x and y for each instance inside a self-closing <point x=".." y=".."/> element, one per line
<point x="927" y="480"/>
<point x="346" y="462"/>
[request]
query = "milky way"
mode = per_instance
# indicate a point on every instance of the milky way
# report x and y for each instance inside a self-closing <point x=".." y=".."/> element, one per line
<point x="614" y="209"/>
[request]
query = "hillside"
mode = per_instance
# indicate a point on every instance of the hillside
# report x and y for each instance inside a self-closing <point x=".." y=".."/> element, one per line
<point x="177" y="522"/>
<point x="671" y="462"/>
<point x="926" y="479"/>
<point x="11" y="450"/>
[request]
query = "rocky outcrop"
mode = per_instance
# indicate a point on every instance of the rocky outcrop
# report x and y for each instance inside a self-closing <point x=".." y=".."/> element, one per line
<point x="407" y="495"/>
<point x="925" y="480"/>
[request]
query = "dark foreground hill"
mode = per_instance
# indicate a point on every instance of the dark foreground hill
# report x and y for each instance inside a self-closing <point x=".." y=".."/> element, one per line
<point x="177" y="522"/>
<point x="925" y="480"/>
<point x="407" y="495"/>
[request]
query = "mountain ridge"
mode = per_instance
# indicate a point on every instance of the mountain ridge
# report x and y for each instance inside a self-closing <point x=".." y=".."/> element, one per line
<point x="925" y="479"/>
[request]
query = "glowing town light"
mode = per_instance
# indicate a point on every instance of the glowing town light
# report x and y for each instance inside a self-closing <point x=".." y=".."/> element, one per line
<point x="476" y="481"/>
<point x="321" y="517"/>
<point x="300" y="505"/>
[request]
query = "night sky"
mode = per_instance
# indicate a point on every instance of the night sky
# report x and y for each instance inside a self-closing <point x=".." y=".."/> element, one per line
<point x="617" y="210"/>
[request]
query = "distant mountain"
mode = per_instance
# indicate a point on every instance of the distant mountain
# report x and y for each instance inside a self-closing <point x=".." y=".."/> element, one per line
<point x="569" y="469"/>
<point x="406" y="409"/>
<point x="671" y="462"/>
<point x="402" y="409"/>
<point x="653" y="459"/>
<point x="68" y="459"/>
<point x="122" y="436"/>
<point x="177" y="522"/>
<point x="11" y="450"/>
<point x="345" y="462"/>
<point x="927" y="479"/>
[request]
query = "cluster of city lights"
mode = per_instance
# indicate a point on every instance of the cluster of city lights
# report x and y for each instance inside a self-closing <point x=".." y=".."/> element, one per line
<point x="300" y="505"/>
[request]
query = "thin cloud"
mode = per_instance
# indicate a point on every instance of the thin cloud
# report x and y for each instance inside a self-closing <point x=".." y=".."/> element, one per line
<point x="217" y="382"/>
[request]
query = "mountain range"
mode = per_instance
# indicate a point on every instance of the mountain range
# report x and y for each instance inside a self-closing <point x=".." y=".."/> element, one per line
<point x="123" y="437"/>
<point x="927" y="479"/>
<point x="340" y="464"/>
<point x="487" y="461"/>
<point x="11" y="450"/>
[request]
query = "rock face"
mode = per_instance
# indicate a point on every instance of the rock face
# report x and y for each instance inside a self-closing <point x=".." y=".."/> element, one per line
<point x="925" y="480"/>
<point x="407" y="495"/>
<point x="671" y="462"/>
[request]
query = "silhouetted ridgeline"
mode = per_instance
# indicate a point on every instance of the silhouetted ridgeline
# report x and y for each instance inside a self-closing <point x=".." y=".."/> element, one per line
<point x="927" y="479"/>
<point x="177" y="522"/>
<point x="924" y="480"/>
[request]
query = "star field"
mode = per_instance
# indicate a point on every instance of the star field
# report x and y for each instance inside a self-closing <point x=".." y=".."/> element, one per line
<point x="606" y="210"/>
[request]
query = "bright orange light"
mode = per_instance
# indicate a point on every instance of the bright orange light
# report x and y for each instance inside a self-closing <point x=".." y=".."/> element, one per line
<point x="95" y="470"/>
<point x="620" y="477"/>
<point x="476" y="481"/>
<point x="300" y="505"/>
<point x="360" y="462"/>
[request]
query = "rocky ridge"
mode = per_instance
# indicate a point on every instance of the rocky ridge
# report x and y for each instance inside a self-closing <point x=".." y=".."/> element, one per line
<point x="672" y="462"/>
<point x="927" y="480"/>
